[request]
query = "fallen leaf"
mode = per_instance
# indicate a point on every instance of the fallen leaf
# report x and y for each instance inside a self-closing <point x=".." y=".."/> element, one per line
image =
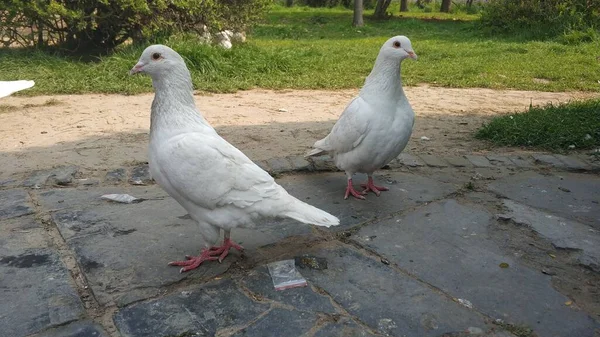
<point x="503" y="265"/>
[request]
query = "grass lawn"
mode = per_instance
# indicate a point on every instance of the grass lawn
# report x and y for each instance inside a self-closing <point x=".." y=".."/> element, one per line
<point x="308" y="48"/>
<point x="574" y="125"/>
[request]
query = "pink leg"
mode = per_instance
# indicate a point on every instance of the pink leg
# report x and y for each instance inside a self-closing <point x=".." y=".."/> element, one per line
<point x="370" y="186"/>
<point x="350" y="190"/>
<point x="211" y="254"/>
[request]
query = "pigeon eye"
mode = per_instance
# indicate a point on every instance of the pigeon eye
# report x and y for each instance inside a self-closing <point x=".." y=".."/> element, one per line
<point x="155" y="56"/>
<point x="396" y="44"/>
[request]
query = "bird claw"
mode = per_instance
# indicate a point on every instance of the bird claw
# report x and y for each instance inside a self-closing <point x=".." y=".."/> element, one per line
<point x="351" y="190"/>
<point x="213" y="253"/>
<point x="370" y="186"/>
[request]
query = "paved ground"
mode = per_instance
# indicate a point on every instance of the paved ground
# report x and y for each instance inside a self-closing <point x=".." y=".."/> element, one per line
<point x="471" y="246"/>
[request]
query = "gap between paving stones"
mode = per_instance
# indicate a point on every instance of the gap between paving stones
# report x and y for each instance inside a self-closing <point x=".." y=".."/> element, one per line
<point x="67" y="256"/>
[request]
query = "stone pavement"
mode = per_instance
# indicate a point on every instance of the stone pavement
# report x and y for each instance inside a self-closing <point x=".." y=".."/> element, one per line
<point x="466" y="246"/>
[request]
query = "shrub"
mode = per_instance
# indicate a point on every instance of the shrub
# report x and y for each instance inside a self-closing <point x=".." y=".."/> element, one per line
<point x="89" y="25"/>
<point x="540" y="18"/>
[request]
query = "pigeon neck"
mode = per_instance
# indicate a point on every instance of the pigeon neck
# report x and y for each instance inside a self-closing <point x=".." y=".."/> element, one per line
<point x="384" y="81"/>
<point x="173" y="107"/>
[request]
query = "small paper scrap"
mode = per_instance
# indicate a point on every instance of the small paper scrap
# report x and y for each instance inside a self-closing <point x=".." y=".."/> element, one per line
<point x="122" y="198"/>
<point x="285" y="276"/>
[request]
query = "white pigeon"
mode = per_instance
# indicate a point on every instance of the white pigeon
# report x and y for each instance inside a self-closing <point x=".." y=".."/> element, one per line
<point x="215" y="182"/>
<point x="376" y="125"/>
<point x="10" y="87"/>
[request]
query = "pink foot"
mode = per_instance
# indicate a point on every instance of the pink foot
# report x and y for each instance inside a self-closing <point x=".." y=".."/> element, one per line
<point x="211" y="254"/>
<point x="370" y="186"/>
<point x="350" y="190"/>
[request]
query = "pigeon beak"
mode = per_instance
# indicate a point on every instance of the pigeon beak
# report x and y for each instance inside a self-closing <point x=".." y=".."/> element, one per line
<point x="412" y="54"/>
<point x="136" y="69"/>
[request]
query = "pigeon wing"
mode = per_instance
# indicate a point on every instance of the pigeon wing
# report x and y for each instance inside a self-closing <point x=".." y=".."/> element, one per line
<point x="211" y="173"/>
<point x="350" y="129"/>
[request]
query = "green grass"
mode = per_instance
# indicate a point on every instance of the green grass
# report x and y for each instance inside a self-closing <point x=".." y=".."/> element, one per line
<point x="317" y="48"/>
<point x="574" y="125"/>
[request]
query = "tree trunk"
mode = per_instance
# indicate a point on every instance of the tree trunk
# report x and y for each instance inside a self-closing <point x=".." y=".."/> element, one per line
<point x="445" y="6"/>
<point x="381" y="8"/>
<point x="404" y="5"/>
<point x="358" y="13"/>
<point x="289" y="3"/>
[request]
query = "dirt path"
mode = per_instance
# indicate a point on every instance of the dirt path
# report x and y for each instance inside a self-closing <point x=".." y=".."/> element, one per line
<point x="99" y="132"/>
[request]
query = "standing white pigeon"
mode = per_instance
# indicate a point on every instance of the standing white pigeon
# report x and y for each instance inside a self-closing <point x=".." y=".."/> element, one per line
<point x="214" y="181"/>
<point x="9" y="87"/>
<point x="376" y="125"/>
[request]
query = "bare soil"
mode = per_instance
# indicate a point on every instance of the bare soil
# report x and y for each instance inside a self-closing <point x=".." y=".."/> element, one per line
<point x="100" y="132"/>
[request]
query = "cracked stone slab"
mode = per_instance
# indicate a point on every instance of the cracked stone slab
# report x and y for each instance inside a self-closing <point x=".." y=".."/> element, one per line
<point x="123" y="249"/>
<point x="14" y="203"/>
<point x="326" y="191"/>
<point x="77" y="329"/>
<point x="388" y="301"/>
<point x="502" y="160"/>
<point x="570" y="195"/>
<point x="573" y="163"/>
<point x="432" y="160"/>
<point x="521" y="161"/>
<point x="116" y="176"/>
<point x="299" y="163"/>
<point x="478" y="161"/>
<point x="280" y="322"/>
<point x="547" y="159"/>
<point x="343" y="327"/>
<point x="37" y="290"/>
<point x="279" y="165"/>
<point x="259" y="281"/>
<point x="140" y="175"/>
<point x="202" y="310"/>
<point x="458" y="161"/>
<point x="407" y="159"/>
<point x="563" y="233"/>
<point x="447" y="245"/>
<point x="323" y="163"/>
<point x="59" y="176"/>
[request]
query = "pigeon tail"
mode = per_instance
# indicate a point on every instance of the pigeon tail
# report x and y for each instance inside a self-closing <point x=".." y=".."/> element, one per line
<point x="311" y="215"/>
<point x="314" y="152"/>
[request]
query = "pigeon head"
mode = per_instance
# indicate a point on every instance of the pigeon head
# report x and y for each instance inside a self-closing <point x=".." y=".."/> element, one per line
<point x="159" y="61"/>
<point x="398" y="47"/>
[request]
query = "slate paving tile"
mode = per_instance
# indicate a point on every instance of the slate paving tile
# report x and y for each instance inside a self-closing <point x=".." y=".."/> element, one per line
<point x="14" y="203"/>
<point x="388" y="301"/>
<point x="446" y="244"/>
<point x="280" y="322"/>
<point x="202" y="311"/>
<point x="572" y="196"/>
<point x="562" y="233"/>
<point x="343" y="328"/>
<point x="76" y="329"/>
<point x="36" y="287"/>
<point x="259" y="282"/>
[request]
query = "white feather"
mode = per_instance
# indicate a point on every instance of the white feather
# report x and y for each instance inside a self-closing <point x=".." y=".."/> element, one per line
<point x="9" y="87"/>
